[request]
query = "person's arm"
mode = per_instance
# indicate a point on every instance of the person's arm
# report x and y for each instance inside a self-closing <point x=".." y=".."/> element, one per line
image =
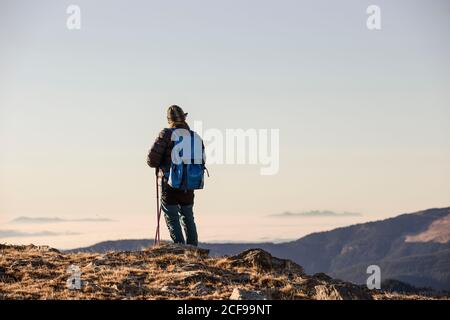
<point x="157" y="151"/>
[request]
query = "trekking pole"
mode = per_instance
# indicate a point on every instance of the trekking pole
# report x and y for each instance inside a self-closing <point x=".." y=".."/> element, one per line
<point x="158" y="211"/>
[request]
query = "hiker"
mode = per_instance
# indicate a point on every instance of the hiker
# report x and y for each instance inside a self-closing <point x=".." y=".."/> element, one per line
<point x="177" y="190"/>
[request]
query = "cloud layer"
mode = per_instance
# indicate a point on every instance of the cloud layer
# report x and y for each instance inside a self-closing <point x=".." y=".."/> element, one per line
<point x="38" y="220"/>
<point x="315" y="213"/>
<point x="17" y="234"/>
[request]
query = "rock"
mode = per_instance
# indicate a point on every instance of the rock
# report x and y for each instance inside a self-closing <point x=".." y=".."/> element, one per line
<point x="2" y="274"/>
<point x="5" y="277"/>
<point x="322" y="277"/>
<point x="20" y="263"/>
<point x="32" y="247"/>
<point x="194" y="276"/>
<point x="263" y="261"/>
<point x="242" y="294"/>
<point x="46" y="249"/>
<point x="196" y="252"/>
<point x="341" y="292"/>
<point x="178" y="249"/>
<point x="39" y="263"/>
<point x="200" y="288"/>
<point x="99" y="261"/>
<point x="191" y="267"/>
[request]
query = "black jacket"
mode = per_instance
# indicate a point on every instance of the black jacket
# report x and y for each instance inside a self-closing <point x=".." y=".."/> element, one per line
<point x="159" y="156"/>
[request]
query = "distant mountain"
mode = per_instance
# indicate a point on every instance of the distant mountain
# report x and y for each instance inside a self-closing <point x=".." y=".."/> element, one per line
<point x="412" y="248"/>
<point x="115" y="245"/>
<point x="346" y="252"/>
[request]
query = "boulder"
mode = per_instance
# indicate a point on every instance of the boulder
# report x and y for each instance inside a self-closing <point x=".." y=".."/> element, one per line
<point x="178" y="249"/>
<point x="263" y="262"/>
<point x="242" y="294"/>
<point x="344" y="291"/>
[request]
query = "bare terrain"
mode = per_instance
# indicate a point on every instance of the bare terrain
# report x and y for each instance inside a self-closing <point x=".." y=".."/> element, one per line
<point x="167" y="272"/>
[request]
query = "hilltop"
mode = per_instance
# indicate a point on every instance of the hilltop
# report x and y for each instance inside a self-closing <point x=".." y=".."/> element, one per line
<point x="167" y="272"/>
<point x="413" y="248"/>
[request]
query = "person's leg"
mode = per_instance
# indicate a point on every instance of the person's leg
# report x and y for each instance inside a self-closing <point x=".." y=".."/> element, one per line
<point x="187" y="220"/>
<point x="173" y="222"/>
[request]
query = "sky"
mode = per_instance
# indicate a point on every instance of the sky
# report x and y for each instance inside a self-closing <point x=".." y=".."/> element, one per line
<point x="363" y="116"/>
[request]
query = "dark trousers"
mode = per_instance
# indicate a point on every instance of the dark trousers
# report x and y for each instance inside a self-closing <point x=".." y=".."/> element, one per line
<point x="177" y="217"/>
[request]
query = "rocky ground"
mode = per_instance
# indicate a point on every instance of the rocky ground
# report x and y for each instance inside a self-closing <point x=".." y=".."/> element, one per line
<point x="166" y="272"/>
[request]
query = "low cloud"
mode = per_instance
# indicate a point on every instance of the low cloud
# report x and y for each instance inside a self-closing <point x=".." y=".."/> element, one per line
<point x="38" y="220"/>
<point x="315" y="213"/>
<point x="275" y="240"/>
<point x="17" y="234"/>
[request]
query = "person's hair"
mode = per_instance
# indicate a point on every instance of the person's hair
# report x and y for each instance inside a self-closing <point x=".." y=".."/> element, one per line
<point x="173" y="124"/>
<point x="175" y="115"/>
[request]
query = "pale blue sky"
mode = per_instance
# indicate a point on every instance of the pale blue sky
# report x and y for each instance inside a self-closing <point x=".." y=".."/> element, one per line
<point x="363" y="115"/>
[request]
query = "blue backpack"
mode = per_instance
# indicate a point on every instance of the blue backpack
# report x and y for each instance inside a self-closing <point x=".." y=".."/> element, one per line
<point x="187" y="165"/>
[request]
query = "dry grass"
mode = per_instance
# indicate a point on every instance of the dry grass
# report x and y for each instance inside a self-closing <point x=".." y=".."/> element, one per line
<point x="165" y="272"/>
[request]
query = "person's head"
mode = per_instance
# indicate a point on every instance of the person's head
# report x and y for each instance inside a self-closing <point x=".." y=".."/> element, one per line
<point x="175" y="115"/>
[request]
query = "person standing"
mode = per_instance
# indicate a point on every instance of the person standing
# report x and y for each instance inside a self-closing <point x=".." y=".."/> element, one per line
<point x="177" y="201"/>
